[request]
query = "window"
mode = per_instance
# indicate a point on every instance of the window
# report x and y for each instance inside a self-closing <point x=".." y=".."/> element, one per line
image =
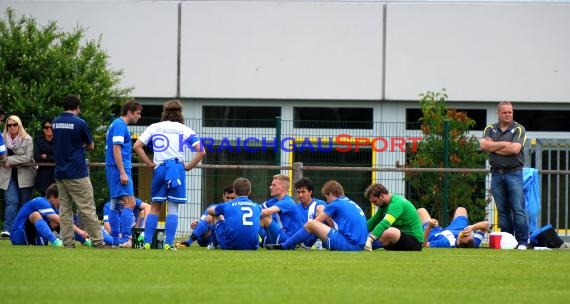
<point x="543" y="120"/>
<point x="332" y="118"/>
<point x="478" y="115"/>
<point x="244" y="117"/>
<point x="216" y="179"/>
<point x="353" y="182"/>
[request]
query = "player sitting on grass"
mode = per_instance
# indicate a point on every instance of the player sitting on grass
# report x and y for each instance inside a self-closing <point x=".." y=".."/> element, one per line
<point x="203" y="228"/>
<point x="139" y="212"/>
<point x="36" y="219"/>
<point x="237" y="221"/>
<point x="349" y="232"/>
<point x="458" y="234"/>
<point x="395" y="225"/>
<point x="280" y="217"/>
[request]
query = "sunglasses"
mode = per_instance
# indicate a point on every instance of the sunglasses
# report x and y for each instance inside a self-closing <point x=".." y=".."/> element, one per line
<point x="47" y="127"/>
<point x="11" y="125"/>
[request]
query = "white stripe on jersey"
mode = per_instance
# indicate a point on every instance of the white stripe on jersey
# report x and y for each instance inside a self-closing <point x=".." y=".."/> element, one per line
<point x="118" y="138"/>
<point x="312" y="211"/>
<point x="46" y="211"/>
<point x="449" y="236"/>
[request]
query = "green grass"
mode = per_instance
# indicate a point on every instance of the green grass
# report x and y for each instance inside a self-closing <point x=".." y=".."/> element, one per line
<point x="196" y="275"/>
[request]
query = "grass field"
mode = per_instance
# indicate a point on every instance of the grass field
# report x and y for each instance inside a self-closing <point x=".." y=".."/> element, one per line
<point x="197" y="275"/>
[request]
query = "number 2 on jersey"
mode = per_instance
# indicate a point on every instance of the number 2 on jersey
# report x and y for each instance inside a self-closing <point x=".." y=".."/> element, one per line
<point x="246" y="217"/>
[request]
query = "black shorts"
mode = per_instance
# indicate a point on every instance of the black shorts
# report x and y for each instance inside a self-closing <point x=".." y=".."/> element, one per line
<point x="406" y="243"/>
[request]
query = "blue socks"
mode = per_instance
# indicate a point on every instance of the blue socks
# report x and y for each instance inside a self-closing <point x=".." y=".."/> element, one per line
<point x="296" y="238"/>
<point x="115" y="223"/>
<point x="126" y="223"/>
<point x="106" y="237"/>
<point x="170" y="228"/>
<point x="273" y="231"/>
<point x="150" y="227"/>
<point x="44" y="230"/>
<point x="201" y="228"/>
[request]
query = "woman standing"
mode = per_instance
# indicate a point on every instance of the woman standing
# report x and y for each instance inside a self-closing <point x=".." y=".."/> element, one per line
<point x="43" y="153"/>
<point x="16" y="180"/>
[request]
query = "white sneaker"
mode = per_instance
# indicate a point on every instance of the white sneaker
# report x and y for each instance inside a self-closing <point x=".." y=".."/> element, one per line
<point x="5" y="234"/>
<point x="126" y="244"/>
<point x="521" y="247"/>
<point x="319" y="244"/>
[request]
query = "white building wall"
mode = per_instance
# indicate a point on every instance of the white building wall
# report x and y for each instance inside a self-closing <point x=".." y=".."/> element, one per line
<point x="490" y="51"/>
<point x="141" y="38"/>
<point x="478" y="51"/>
<point x="255" y="49"/>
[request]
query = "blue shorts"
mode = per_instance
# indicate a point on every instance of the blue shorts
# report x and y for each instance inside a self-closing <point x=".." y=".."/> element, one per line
<point x="116" y="189"/>
<point x="337" y="241"/>
<point x="458" y="224"/>
<point x="160" y="191"/>
<point x="26" y="235"/>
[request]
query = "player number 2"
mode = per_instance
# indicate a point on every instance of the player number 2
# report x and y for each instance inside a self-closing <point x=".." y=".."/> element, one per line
<point x="246" y="217"/>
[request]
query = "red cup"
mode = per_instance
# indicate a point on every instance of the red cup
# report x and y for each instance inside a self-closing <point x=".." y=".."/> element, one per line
<point x="495" y="240"/>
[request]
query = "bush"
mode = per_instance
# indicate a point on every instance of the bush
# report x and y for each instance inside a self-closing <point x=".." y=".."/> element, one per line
<point x="465" y="189"/>
<point x="40" y="65"/>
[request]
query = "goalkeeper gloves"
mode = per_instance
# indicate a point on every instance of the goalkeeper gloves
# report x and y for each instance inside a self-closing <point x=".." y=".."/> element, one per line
<point x="371" y="238"/>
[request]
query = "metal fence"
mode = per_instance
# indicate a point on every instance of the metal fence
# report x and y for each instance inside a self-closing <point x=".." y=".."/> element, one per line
<point x="258" y="149"/>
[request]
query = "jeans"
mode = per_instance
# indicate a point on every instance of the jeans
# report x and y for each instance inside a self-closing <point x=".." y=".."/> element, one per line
<point x="507" y="190"/>
<point x="14" y="197"/>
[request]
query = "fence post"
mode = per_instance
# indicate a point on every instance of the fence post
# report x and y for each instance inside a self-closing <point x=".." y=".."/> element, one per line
<point x="278" y="140"/>
<point x="444" y="214"/>
<point x="297" y="171"/>
<point x="297" y="175"/>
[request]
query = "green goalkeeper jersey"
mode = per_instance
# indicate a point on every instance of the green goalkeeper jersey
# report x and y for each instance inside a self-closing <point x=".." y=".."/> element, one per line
<point x="399" y="213"/>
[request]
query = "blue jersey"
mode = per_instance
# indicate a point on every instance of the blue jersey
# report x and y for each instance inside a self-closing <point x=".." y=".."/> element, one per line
<point x="310" y="212"/>
<point x="289" y="217"/>
<point x="447" y="237"/>
<point x="240" y="227"/>
<point x="39" y="204"/>
<point x="2" y="146"/>
<point x="119" y="134"/>
<point x="71" y="133"/>
<point x="349" y="220"/>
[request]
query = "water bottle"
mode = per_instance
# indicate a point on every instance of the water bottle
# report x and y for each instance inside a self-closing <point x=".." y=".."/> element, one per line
<point x="159" y="239"/>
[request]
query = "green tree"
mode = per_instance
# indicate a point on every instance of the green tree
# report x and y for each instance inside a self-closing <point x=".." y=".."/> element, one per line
<point x="40" y="65"/>
<point x="465" y="189"/>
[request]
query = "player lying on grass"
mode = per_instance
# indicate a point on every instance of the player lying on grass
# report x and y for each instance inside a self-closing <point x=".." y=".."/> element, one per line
<point x="458" y="234"/>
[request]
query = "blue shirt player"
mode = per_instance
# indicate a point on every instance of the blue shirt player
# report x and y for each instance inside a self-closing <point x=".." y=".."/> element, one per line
<point x="457" y="234"/>
<point x="167" y="139"/>
<point x="282" y="218"/>
<point x="237" y="221"/>
<point x="118" y="153"/>
<point x="32" y="224"/>
<point x="310" y="207"/>
<point x="349" y="232"/>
